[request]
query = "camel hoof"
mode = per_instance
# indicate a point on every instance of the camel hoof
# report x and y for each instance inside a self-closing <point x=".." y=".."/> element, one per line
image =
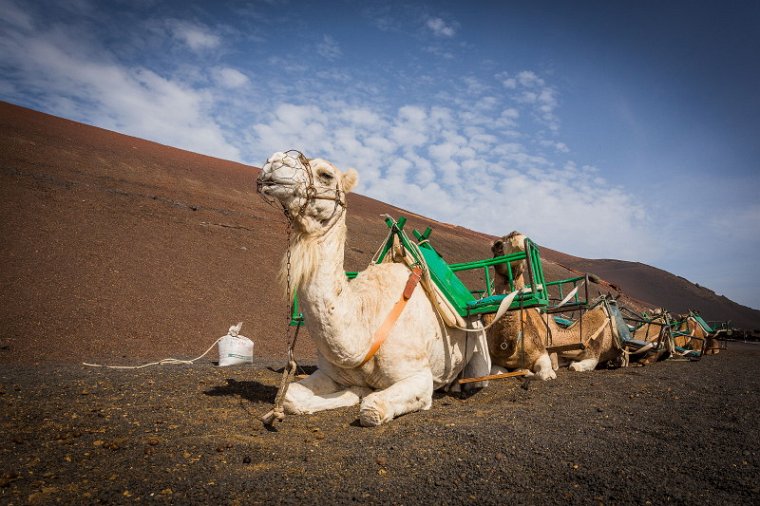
<point x="374" y="412"/>
<point x="370" y="418"/>
<point x="547" y="375"/>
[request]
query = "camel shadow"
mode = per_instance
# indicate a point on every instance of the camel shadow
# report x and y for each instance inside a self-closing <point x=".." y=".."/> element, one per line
<point x="302" y="369"/>
<point x="252" y="391"/>
<point x="461" y="395"/>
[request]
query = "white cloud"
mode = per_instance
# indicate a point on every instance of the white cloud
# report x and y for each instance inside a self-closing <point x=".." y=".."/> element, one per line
<point x="196" y="36"/>
<point x="382" y="16"/>
<point x="559" y="146"/>
<point x="533" y="91"/>
<point x="474" y="85"/>
<point x="293" y="126"/>
<point x="466" y="175"/>
<point x="328" y="48"/>
<point x="529" y="79"/>
<point x="386" y="23"/>
<point x="361" y="116"/>
<point x="440" y="28"/>
<point x="85" y="83"/>
<point x="467" y="154"/>
<point x="409" y="127"/>
<point x="230" y="78"/>
<point x="440" y="52"/>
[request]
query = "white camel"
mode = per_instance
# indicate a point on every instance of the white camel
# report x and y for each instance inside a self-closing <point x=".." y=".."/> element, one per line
<point x="419" y="354"/>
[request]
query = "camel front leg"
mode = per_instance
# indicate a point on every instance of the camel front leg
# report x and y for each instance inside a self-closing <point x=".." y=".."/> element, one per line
<point x="587" y="364"/>
<point x="410" y="394"/>
<point x="543" y="368"/>
<point x="319" y="392"/>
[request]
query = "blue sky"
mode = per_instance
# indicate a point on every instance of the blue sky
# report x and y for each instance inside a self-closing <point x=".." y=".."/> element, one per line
<point x="600" y="129"/>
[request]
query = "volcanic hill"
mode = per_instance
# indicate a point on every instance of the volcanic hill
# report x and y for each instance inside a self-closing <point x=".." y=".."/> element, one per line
<point x="116" y="249"/>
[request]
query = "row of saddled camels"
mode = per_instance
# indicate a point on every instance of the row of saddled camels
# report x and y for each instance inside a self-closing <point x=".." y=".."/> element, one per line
<point x="382" y="343"/>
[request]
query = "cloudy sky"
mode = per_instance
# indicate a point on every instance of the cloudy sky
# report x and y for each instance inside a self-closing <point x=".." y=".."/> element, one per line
<point x="598" y="129"/>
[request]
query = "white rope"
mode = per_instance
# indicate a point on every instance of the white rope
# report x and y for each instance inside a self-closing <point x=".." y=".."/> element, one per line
<point x="641" y="350"/>
<point x="570" y="295"/>
<point x="599" y="331"/>
<point x="503" y="308"/>
<point x="166" y="361"/>
<point x="382" y="244"/>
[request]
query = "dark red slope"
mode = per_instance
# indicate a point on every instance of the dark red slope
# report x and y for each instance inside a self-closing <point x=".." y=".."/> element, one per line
<point x="116" y="249"/>
<point x="664" y="289"/>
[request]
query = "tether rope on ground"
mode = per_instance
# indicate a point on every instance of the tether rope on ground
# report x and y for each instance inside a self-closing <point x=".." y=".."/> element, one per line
<point x="166" y="361"/>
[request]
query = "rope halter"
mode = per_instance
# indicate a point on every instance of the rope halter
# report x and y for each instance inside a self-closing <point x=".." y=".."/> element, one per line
<point x="286" y="170"/>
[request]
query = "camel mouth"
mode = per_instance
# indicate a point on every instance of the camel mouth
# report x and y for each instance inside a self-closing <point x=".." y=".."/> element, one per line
<point x="261" y="187"/>
<point x="265" y="186"/>
<point x="270" y="190"/>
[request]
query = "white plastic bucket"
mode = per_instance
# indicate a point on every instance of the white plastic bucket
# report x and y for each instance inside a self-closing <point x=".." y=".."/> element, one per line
<point x="235" y="349"/>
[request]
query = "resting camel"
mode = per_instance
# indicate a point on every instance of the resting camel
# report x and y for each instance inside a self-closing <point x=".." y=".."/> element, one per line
<point x="652" y="332"/>
<point x="519" y="339"/>
<point x="713" y="346"/>
<point x="692" y="336"/>
<point x="418" y="355"/>
<point x="509" y="348"/>
<point x="712" y="343"/>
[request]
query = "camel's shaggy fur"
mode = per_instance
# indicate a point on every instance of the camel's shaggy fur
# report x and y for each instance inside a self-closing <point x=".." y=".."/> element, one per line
<point x="418" y="356"/>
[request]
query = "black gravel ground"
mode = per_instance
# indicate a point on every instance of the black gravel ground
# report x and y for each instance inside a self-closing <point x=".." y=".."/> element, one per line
<point x="674" y="432"/>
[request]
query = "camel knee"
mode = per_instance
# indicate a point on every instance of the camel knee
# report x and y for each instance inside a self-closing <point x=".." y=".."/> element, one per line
<point x="296" y="400"/>
<point x="301" y="399"/>
<point x="411" y="394"/>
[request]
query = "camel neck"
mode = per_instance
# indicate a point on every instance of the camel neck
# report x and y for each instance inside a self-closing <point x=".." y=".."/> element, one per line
<point x="323" y="262"/>
<point x="325" y="299"/>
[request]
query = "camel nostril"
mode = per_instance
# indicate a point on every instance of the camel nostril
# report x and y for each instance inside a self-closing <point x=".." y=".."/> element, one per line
<point x="260" y="186"/>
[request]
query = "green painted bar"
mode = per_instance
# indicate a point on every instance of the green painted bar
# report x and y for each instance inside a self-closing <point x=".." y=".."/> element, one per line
<point x="459" y="295"/>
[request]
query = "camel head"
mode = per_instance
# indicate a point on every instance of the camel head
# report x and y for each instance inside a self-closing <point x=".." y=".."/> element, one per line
<point x="311" y="192"/>
<point x="511" y="243"/>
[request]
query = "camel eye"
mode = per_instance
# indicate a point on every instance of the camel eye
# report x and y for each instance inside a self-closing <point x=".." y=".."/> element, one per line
<point x="326" y="176"/>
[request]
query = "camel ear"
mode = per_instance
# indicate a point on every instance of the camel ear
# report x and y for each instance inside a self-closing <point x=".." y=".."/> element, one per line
<point x="349" y="180"/>
<point x="497" y="245"/>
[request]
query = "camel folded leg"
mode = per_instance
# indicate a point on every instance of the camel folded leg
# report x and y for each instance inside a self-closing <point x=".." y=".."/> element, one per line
<point x="544" y="369"/>
<point x="319" y="392"/>
<point x="587" y="364"/>
<point x="410" y="394"/>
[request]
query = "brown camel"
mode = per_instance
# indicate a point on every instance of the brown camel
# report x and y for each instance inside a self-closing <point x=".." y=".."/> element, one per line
<point x="520" y="338"/>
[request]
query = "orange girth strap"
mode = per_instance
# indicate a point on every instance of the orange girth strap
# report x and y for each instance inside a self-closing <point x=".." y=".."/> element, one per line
<point x="385" y="329"/>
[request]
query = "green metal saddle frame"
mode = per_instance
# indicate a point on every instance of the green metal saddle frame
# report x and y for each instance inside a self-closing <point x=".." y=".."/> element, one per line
<point x="670" y="326"/>
<point x="462" y="298"/>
